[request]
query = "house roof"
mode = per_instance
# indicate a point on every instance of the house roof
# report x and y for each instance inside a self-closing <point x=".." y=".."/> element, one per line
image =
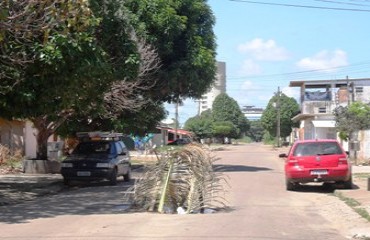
<point x="179" y="131"/>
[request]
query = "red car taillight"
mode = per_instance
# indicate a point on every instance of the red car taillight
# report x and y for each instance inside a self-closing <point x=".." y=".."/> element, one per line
<point x="343" y="161"/>
<point x="292" y="162"/>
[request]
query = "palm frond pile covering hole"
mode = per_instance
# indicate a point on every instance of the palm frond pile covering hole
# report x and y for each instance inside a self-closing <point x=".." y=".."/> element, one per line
<point x="181" y="181"/>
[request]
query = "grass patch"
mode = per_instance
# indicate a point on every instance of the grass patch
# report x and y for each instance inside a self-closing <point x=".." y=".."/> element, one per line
<point x="355" y="205"/>
<point x="361" y="175"/>
<point x="349" y="201"/>
<point x="362" y="212"/>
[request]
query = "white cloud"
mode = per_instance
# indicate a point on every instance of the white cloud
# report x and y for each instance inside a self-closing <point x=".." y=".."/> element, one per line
<point x="291" y="92"/>
<point x="324" y="60"/>
<point x="264" y="50"/>
<point x="250" y="68"/>
<point x="249" y="85"/>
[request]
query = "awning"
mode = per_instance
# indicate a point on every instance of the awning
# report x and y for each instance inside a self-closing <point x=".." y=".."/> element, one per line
<point x="324" y="123"/>
<point x="179" y="131"/>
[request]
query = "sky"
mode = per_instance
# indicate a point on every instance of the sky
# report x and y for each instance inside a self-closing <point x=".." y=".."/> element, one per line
<point x="268" y="43"/>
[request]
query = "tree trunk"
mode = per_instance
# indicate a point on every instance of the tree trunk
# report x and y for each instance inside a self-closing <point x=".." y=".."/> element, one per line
<point x="42" y="136"/>
<point x="42" y="144"/>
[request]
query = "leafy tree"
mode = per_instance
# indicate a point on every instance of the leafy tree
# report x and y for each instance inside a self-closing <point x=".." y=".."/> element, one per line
<point x="137" y="123"/>
<point x="226" y="109"/>
<point x="352" y="118"/>
<point x="224" y="129"/>
<point x="256" y="131"/>
<point x="201" y="126"/>
<point x="27" y="33"/>
<point x="288" y="109"/>
<point x="115" y="47"/>
<point x="50" y="88"/>
<point x="182" y="32"/>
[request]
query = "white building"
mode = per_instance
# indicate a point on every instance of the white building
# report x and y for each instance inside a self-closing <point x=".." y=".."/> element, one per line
<point x="218" y="87"/>
<point x="318" y="100"/>
<point x="252" y="113"/>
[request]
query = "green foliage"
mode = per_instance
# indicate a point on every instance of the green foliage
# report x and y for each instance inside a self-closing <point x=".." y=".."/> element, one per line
<point x="352" y="118"/>
<point x="182" y="32"/>
<point x="268" y="139"/>
<point x="137" y="123"/>
<point x="201" y="126"/>
<point x="226" y="109"/>
<point x="288" y="109"/>
<point x="60" y="59"/>
<point x="223" y="129"/>
<point x="256" y="131"/>
<point x="27" y="25"/>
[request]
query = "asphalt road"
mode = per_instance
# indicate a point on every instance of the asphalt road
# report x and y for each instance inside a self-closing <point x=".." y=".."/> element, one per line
<point x="259" y="208"/>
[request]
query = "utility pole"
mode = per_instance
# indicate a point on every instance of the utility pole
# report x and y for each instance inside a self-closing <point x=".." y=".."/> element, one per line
<point x="176" y="118"/>
<point x="278" y="117"/>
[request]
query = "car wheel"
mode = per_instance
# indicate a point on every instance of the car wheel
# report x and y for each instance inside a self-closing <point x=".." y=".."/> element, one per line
<point x="348" y="184"/>
<point x="113" y="177"/>
<point x="127" y="176"/>
<point x="290" y="186"/>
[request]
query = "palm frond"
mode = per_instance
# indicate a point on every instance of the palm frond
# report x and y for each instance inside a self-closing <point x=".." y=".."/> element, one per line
<point x="181" y="178"/>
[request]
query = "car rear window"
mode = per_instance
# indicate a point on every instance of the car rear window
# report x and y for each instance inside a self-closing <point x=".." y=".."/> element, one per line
<point x="317" y="148"/>
<point x="92" y="148"/>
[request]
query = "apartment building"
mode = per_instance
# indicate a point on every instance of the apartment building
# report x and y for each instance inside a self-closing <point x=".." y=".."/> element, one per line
<point x="219" y="86"/>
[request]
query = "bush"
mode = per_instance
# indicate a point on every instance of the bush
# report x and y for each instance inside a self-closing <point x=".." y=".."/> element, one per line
<point x="10" y="161"/>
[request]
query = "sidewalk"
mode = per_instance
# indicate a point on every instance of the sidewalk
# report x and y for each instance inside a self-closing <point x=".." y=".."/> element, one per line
<point x="16" y="188"/>
<point x="361" y="191"/>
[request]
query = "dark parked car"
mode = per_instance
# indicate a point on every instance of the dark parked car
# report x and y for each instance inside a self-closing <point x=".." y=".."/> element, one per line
<point x="97" y="160"/>
<point x="322" y="160"/>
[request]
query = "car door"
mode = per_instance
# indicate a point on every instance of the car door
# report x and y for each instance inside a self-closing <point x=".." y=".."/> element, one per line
<point x="125" y="156"/>
<point x="120" y="158"/>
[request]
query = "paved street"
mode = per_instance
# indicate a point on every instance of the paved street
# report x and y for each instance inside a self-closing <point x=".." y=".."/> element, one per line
<point x="260" y="208"/>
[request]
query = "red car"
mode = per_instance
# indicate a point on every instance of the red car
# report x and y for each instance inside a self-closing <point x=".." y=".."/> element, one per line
<point x="322" y="160"/>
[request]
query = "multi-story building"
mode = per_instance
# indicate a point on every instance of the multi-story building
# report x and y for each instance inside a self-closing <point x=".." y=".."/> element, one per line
<point x="319" y="98"/>
<point x="252" y="113"/>
<point x="219" y="86"/>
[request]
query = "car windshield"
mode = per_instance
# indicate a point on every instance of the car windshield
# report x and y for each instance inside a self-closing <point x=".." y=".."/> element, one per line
<point x="92" y="148"/>
<point x="317" y="148"/>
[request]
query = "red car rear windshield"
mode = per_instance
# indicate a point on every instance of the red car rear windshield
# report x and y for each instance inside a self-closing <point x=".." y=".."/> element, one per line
<point x="317" y="148"/>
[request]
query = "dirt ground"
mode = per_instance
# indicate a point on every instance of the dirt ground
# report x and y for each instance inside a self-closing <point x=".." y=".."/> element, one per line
<point x="333" y="209"/>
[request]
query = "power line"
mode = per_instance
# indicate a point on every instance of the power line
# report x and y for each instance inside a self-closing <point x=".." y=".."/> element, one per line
<point x="343" y="3"/>
<point x="354" y="68"/>
<point x="303" y="6"/>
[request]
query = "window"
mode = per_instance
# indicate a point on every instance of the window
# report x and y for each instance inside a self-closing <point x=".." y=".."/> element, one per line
<point x="320" y="148"/>
<point x="359" y="89"/>
<point x="322" y="109"/>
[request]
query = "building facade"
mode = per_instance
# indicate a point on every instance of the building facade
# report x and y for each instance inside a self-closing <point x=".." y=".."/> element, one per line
<point x="219" y="86"/>
<point x="318" y="100"/>
<point x="252" y="113"/>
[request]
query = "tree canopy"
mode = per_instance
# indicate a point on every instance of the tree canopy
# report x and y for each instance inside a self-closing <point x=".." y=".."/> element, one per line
<point x="201" y="125"/>
<point x="226" y="109"/>
<point x="101" y="61"/>
<point x="224" y="120"/>
<point x="352" y="118"/>
<point x="288" y="109"/>
<point x="182" y="31"/>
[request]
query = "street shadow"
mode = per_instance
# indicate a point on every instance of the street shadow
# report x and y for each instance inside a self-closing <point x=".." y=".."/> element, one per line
<point x="238" y="168"/>
<point x="80" y="199"/>
<point x="321" y="188"/>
